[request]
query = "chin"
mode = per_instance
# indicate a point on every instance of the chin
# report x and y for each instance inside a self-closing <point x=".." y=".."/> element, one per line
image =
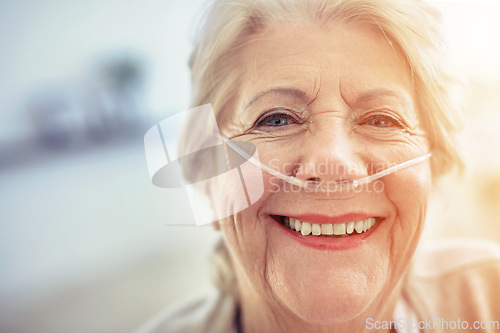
<point x="331" y="310"/>
<point x="331" y="295"/>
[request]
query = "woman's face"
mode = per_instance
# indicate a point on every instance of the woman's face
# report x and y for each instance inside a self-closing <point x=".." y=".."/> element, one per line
<point x="326" y="104"/>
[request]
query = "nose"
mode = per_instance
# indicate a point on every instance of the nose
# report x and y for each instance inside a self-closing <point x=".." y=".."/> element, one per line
<point x="330" y="153"/>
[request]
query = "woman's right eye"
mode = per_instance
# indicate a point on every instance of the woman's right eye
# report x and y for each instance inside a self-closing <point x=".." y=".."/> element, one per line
<point x="275" y="120"/>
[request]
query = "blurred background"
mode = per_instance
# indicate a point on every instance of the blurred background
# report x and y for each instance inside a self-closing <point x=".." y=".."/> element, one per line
<point x="85" y="240"/>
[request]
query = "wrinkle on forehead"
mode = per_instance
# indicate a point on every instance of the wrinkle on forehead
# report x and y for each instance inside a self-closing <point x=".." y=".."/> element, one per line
<point x="281" y="57"/>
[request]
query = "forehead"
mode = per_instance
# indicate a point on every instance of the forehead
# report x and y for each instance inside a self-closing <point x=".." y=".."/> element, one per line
<point x="324" y="62"/>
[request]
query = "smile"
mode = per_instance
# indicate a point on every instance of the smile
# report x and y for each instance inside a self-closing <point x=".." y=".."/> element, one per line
<point x="329" y="229"/>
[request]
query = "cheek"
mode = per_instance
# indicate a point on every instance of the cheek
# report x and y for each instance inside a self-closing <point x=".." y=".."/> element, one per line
<point x="408" y="192"/>
<point x="406" y="189"/>
<point x="239" y="183"/>
<point x="246" y="233"/>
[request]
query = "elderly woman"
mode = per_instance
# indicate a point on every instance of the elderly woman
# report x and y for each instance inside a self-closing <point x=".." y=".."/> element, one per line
<point x="330" y="91"/>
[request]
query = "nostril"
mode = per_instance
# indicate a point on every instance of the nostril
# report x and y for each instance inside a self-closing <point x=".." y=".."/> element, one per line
<point x="314" y="180"/>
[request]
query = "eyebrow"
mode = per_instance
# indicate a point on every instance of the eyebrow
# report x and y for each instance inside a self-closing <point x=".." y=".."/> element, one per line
<point x="299" y="94"/>
<point x="291" y="92"/>
<point x="381" y="92"/>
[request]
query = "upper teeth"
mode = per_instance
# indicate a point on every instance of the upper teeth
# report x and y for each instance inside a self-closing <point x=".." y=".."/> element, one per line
<point x="337" y="229"/>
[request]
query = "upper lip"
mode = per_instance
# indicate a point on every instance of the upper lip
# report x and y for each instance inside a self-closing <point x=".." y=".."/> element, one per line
<point x="326" y="219"/>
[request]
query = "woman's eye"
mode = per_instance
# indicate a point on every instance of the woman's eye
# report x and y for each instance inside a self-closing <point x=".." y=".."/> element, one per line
<point x="276" y="120"/>
<point x="383" y="122"/>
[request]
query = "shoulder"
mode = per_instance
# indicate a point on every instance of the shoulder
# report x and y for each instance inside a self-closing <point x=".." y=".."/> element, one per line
<point x="212" y="312"/>
<point x="455" y="278"/>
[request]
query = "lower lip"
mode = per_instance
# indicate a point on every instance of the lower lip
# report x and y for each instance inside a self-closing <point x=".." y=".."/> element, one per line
<point x="329" y="243"/>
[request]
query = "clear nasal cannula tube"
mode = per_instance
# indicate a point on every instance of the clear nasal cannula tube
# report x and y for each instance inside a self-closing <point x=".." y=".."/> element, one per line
<point x="342" y="185"/>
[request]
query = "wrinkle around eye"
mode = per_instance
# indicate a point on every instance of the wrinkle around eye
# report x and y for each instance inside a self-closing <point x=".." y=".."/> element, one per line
<point x="284" y="134"/>
<point x="391" y="137"/>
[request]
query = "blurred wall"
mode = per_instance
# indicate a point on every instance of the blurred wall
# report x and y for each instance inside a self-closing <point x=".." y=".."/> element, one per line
<point x="84" y="241"/>
<point x="468" y="204"/>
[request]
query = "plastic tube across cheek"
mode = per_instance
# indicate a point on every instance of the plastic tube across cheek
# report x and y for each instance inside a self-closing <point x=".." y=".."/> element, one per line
<point x="331" y="187"/>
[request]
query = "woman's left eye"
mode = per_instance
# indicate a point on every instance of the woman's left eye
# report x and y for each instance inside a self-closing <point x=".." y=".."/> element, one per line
<point x="382" y="121"/>
<point x="275" y="120"/>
